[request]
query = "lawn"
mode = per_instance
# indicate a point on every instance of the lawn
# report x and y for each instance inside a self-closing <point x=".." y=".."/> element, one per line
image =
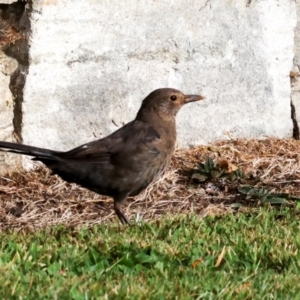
<point x="234" y="256"/>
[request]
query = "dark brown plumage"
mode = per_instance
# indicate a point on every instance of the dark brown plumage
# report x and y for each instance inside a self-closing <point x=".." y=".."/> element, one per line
<point x="125" y="162"/>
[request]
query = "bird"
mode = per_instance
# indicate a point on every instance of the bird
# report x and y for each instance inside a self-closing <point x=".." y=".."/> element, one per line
<point x="125" y="162"/>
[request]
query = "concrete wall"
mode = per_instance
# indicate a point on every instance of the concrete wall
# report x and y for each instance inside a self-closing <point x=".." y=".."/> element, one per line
<point x="295" y="78"/>
<point x="14" y="30"/>
<point x="7" y="67"/>
<point x="92" y="62"/>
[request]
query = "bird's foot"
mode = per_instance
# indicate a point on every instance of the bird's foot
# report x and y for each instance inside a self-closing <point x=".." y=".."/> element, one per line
<point x="121" y="216"/>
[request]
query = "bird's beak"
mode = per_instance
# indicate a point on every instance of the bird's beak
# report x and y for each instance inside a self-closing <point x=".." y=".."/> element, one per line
<point x="193" y="98"/>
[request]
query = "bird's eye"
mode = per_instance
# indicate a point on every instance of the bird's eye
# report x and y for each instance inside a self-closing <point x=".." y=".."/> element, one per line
<point x="173" y="98"/>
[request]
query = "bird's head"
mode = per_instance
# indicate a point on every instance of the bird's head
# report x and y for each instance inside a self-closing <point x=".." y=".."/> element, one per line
<point x="166" y="102"/>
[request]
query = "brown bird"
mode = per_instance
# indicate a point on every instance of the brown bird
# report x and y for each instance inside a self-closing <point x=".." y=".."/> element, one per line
<point x="128" y="160"/>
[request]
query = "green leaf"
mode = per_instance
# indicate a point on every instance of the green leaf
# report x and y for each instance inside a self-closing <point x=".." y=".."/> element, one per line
<point x="54" y="268"/>
<point x="199" y="177"/>
<point x="209" y="164"/>
<point x="145" y="258"/>
<point x="245" y="189"/>
<point x="216" y="174"/>
<point x="275" y="200"/>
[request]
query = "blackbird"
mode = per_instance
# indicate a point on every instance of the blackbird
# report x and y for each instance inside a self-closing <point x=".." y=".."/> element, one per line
<point x="125" y="162"/>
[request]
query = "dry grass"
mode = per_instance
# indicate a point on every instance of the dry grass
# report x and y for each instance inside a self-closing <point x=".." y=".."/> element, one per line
<point x="38" y="199"/>
<point x="9" y="34"/>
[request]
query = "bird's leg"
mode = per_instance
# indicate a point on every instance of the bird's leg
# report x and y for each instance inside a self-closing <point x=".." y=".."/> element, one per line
<point x="117" y="206"/>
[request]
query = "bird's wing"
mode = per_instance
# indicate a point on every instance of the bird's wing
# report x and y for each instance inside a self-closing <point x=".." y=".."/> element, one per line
<point x="132" y="139"/>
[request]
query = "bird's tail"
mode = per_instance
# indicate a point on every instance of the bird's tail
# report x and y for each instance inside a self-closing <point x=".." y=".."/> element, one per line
<point x="38" y="153"/>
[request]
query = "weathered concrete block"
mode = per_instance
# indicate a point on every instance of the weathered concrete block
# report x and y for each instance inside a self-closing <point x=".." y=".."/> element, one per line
<point x="7" y="1"/>
<point x="7" y="67"/>
<point x="295" y="81"/>
<point x="14" y="29"/>
<point x="92" y="62"/>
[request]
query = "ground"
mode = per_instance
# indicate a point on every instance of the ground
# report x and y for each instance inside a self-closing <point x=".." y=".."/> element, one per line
<point x="240" y="175"/>
<point x="222" y="223"/>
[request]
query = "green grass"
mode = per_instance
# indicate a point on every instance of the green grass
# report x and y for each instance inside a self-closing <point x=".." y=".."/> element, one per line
<point x="169" y="259"/>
